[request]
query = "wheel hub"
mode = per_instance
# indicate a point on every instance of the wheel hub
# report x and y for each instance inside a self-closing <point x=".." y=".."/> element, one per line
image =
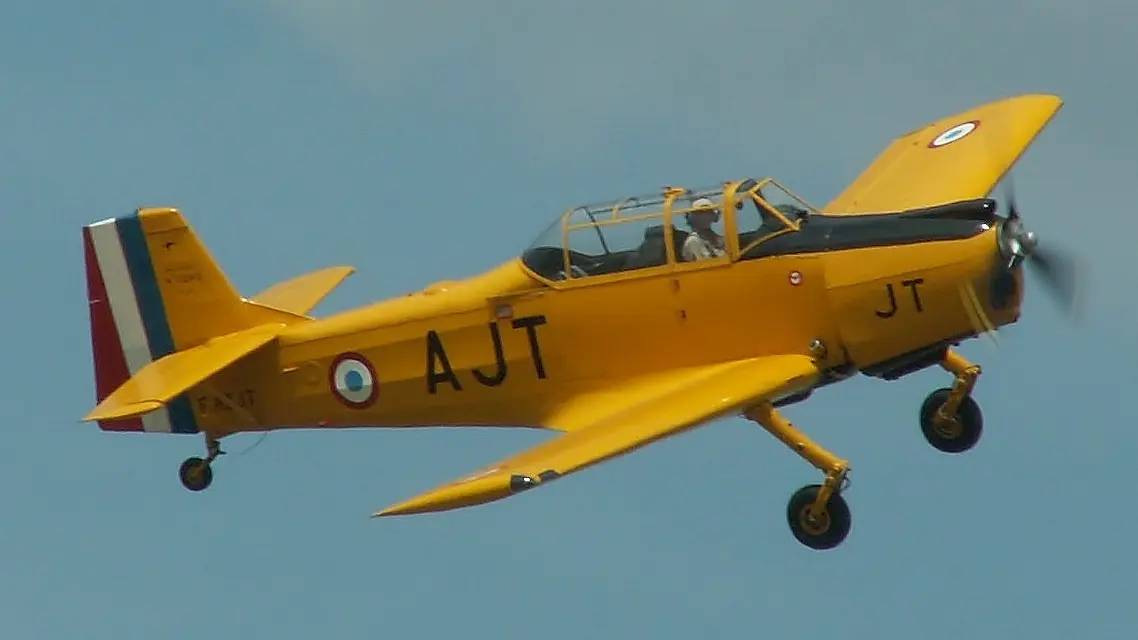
<point x="814" y="522"/>
<point x="947" y="427"/>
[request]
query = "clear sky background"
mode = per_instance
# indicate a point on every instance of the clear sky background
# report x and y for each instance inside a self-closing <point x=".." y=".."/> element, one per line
<point x="431" y="140"/>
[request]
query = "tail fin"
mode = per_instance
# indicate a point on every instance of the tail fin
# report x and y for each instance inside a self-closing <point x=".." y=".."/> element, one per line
<point x="153" y="290"/>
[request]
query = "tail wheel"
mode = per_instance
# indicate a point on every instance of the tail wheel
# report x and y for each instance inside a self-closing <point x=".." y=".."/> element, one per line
<point x="195" y="474"/>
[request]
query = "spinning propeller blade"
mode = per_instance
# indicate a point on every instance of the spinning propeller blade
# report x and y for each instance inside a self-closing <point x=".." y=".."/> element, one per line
<point x="1058" y="271"/>
<point x="1061" y="276"/>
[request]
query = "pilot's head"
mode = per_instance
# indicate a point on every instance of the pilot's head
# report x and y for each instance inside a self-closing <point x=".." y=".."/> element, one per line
<point x="703" y="214"/>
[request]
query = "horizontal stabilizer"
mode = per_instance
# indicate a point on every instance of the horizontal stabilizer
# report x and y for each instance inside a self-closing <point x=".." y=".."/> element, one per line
<point x="302" y="293"/>
<point x="164" y="379"/>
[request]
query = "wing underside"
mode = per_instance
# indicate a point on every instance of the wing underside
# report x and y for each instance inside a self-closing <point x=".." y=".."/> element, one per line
<point x="960" y="157"/>
<point x="636" y="414"/>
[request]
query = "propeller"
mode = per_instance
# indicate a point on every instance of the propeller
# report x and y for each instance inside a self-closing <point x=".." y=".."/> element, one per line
<point x="1057" y="271"/>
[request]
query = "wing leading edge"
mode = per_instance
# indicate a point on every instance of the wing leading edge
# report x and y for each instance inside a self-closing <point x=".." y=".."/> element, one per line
<point x="645" y="415"/>
<point x="960" y="157"/>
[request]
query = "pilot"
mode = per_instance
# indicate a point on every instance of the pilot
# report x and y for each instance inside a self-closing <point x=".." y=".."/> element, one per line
<point x="704" y="242"/>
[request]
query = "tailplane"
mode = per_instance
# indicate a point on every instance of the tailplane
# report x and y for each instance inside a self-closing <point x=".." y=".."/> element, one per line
<point x="301" y="293"/>
<point x="154" y="290"/>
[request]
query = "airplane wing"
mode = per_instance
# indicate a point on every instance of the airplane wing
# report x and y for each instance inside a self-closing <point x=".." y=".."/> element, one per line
<point x="960" y="157"/>
<point x="637" y="414"/>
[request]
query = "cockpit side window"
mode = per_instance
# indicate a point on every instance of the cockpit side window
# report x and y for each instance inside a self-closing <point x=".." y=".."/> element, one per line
<point x="755" y="222"/>
<point x="705" y="219"/>
<point x="789" y="205"/>
<point x="617" y="244"/>
<point x="769" y="210"/>
<point x="639" y="233"/>
<point x="546" y="256"/>
<point x="614" y="237"/>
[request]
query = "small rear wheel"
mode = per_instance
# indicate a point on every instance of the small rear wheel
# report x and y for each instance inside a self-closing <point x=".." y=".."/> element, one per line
<point x="818" y="530"/>
<point x="195" y="474"/>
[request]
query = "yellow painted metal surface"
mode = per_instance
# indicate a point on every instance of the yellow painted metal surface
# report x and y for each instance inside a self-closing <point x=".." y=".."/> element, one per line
<point x="957" y="157"/>
<point x="300" y="294"/>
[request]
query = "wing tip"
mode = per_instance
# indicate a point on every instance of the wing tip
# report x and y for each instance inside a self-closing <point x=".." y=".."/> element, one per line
<point x="1048" y="102"/>
<point x="452" y="496"/>
<point x="115" y="411"/>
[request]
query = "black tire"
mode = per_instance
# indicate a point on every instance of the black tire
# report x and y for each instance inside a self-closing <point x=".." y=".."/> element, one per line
<point x="195" y="474"/>
<point x="952" y="438"/>
<point x="834" y="526"/>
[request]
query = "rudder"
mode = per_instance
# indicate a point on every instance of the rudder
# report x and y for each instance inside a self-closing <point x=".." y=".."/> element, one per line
<point x="153" y="289"/>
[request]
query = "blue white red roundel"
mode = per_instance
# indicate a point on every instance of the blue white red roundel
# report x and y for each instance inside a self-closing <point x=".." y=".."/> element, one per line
<point x="353" y="381"/>
<point x="956" y="133"/>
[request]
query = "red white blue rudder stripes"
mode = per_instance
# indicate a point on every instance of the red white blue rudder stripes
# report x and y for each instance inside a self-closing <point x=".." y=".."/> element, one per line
<point x="129" y="327"/>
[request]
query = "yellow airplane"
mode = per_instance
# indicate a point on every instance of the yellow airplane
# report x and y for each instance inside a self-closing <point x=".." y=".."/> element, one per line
<point x="624" y="323"/>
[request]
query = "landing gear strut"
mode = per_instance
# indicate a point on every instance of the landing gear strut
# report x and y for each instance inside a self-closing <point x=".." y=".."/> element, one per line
<point x="817" y="514"/>
<point x="196" y="473"/>
<point x="950" y="419"/>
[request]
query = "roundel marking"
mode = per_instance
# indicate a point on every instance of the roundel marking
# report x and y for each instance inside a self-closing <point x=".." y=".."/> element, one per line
<point x="353" y="381"/>
<point x="795" y="278"/>
<point x="957" y="132"/>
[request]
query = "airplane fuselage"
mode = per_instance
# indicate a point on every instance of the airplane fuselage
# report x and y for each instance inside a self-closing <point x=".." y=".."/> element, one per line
<point x="881" y="295"/>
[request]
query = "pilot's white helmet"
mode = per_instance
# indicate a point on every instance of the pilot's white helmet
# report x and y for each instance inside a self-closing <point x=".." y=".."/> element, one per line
<point x="702" y="206"/>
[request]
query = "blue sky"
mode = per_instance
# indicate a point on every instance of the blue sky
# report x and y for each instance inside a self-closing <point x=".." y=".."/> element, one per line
<point x="420" y="146"/>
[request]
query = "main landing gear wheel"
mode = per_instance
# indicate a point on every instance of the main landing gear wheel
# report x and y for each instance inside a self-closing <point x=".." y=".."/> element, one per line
<point x="818" y="530"/>
<point x="951" y="434"/>
<point x="815" y="523"/>
<point x="196" y="474"/>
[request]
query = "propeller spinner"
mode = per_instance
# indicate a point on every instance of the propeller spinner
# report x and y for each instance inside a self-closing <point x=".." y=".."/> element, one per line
<point x="1018" y="245"/>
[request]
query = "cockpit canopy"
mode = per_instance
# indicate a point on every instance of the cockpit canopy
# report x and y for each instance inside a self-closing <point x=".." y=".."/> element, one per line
<point x="645" y="231"/>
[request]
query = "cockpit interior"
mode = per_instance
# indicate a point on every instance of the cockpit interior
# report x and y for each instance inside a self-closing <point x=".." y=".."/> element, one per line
<point x="665" y="228"/>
